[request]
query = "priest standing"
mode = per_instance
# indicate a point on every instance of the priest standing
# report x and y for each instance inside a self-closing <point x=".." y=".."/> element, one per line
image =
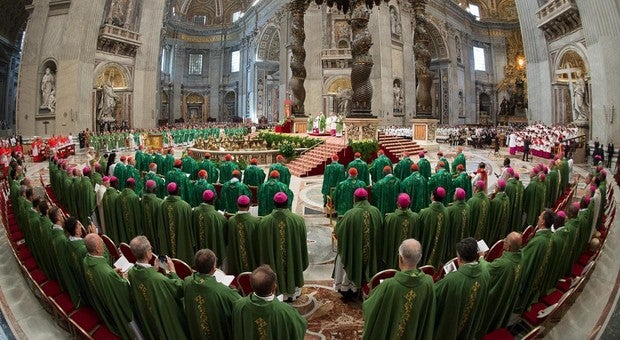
<point x="268" y="189"/>
<point x="415" y="186"/>
<point x="433" y="223"/>
<point x="226" y="168"/>
<point x="253" y="175"/>
<point x="210" y="226"/>
<point x="479" y="212"/>
<point x="285" y="174"/>
<point x="242" y="239"/>
<point x="361" y="167"/>
<point x="334" y="174"/>
<point x="150" y="212"/>
<point x="231" y="190"/>
<point x="424" y="166"/>
<point x="343" y="193"/>
<point x="398" y="226"/>
<point x="385" y="192"/>
<point x="376" y="169"/>
<point x="174" y="224"/>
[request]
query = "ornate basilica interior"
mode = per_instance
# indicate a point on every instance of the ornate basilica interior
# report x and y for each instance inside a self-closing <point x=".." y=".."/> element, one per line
<point x="165" y="61"/>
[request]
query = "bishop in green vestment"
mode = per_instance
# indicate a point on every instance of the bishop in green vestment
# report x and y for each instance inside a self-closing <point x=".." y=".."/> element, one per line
<point x="180" y="178"/>
<point x="208" y="303"/>
<point x="402" y="307"/>
<point x="282" y="245"/>
<point x="253" y="175"/>
<point x="242" y="248"/>
<point x="199" y="188"/>
<point x="459" y="159"/>
<point x="359" y="235"/>
<point x="402" y="169"/>
<point x="151" y="205"/>
<point x="285" y="174"/>
<point x="458" y="228"/>
<point x="385" y="192"/>
<point x="261" y="315"/>
<point x="553" y="182"/>
<point x="441" y="178"/>
<point x="343" y="193"/>
<point x="479" y="213"/>
<point x="132" y="172"/>
<point x="130" y="216"/>
<point x="226" y="169"/>
<point x="159" y="181"/>
<point x="59" y="249"/>
<point x="108" y="290"/>
<point x="424" y="166"/>
<point x="76" y="251"/>
<point x="505" y="280"/>
<point x="462" y="296"/>
<point x="415" y="186"/>
<point x="174" y="224"/>
<point x="433" y="223"/>
<point x="534" y="197"/>
<point x="168" y="162"/>
<point x="361" y="167"/>
<point x="120" y="172"/>
<point x="110" y="212"/>
<point x="189" y="166"/>
<point x="514" y="191"/>
<point x="86" y="200"/>
<point x="231" y="190"/>
<point x="213" y="173"/>
<point x="376" y="169"/>
<point x="268" y="189"/>
<point x="210" y="226"/>
<point x="334" y="174"/>
<point x="156" y="298"/>
<point x="444" y="160"/>
<point x="500" y="214"/>
<point x="562" y="247"/>
<point x="398" y="226"/>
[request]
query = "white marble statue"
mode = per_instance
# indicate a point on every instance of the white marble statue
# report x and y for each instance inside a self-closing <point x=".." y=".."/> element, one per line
<point x="107" y="103"/>
<point x="48" y="85"/>
<point x="580" y="110"/>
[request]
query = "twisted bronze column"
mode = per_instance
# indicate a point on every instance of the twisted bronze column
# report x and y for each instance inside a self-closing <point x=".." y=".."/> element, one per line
<point x="298" y="57"/>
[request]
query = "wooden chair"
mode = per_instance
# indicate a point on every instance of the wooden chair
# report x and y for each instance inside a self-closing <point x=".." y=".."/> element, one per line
<point x="495" y="252"/>
<point x="243" y="283"/>
<point x="528" y="233"/>
<point x="126" y="251"/>
<point x="112" y="248"/>
<point x="376" y="280"/>
<point x="183" y="269"/>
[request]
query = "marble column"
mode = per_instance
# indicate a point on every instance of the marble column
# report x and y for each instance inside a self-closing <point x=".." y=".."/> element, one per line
<point x="298" y="58"/>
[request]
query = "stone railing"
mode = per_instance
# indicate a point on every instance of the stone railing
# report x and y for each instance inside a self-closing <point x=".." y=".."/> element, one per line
<point x="117" y="40"/>
<point x="336" y="53"/>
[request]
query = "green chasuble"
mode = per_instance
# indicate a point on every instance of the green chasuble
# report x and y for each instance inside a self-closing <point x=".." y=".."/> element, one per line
<point x="180" y="178"/>
<point x="433" y="223"/>
<point x="282" y="245"/>
<point x="130" y="215"/>
<point x="34" y="235"/>
<point x="86" y="200"/>
<point x="189" y="166"/>
<point x="266" y="192"/>
<point x="536" y="266"/>
<point x="479" y="213"/>
<point x="415" y="186"/>
<point x="568" y="258"/>
<point x="562" y="245"/>
<point x="168" y="164"/>
<point x="376" y="169"/>
<point x="255" y="318"/>
<point x="139" y="156"/>
<point x="343" y="194"/>
<point x="157" y="303"/>
<point x="198" y="189"/>
<point x="76" y="251"/>
<point x="505" y="280"/>
<point x="424" y="167"/>
<point x="445" y="163"/>
<point x="242" y="243"/>
<point x="69" y="191"/>
<point x="46" y="263"/>
<point x="334" y="174"/>
<point x="514" y="191"/>
<point x="402" y="169"/>
<point x="174" y="224"/>
<point x="459" y="159"/>
<point x="402" y="307"/>
<point x="211" y="230"/>
<point x="208" y="307"/>
<point x="399" y="226"/>
<point x="444" y="180"/>
<point x="110" y="295"/>
<point x="534" y="198"/>
<point x="385" y="193"/>
<point x="226" y="170"/>
<point x="110" y="214"/>
<point x="285" y="174"/>
<point x="458" y="228"/>
<point x="120" y="171"/>
<point x="95" y="178"/>
<point x="500" y="214"/>
<point x="158" y="159"/>
<point x="161" y="184"/>
<point x="213" y="173"/>
<point x="151" y="205"/>
<point x="132" y="172"/>
<point x="462" y="181"/>
<point x="254" y="176"/>
<point x="362" y="169"/>
<point x="553" y="190"/>
<point x="230" y="192"/>
<point x="462" y="298"/>
<point x="563" y="175"/>
<point x="65" y="275"/>
<point x="359" y="234"/>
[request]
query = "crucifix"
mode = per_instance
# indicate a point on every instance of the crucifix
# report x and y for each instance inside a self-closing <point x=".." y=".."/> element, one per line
<point x="45" y="123"/>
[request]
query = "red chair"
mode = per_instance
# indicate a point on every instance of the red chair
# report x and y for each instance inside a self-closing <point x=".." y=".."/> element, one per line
<point x="376" y="280"/>
<point x="104" y="333"/>
<point x="428" y="270"/>
<point x="183" y="269"/>
<point x="243" y="282"/>
<point x="112" y="248"/>
<point x="84" y="321"/>
<point x="533" y="334"/>
<point x="441" y="272"/>
<point x="528" y="233"/>
<point x="495" y="252"/>
<point x="126" y="251"/>
<point x="499" y="334"/>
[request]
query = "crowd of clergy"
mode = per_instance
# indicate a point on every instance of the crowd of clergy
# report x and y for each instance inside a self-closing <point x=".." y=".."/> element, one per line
<point x="408" y="217"/>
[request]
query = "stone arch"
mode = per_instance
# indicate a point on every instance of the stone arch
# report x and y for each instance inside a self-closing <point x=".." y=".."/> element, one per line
<point x="269" y="44"/>
<point x="334" y="84"/>
<point x="118" y="74"/>
<point x="438" y="47"/>
<point x="572" y="56"/>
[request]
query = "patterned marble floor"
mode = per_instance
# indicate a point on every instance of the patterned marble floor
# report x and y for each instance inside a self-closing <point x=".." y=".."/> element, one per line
<point x="28" y="320"/>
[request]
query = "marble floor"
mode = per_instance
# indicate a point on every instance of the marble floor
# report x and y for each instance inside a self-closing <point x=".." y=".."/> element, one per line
<point x="587" y="318"/>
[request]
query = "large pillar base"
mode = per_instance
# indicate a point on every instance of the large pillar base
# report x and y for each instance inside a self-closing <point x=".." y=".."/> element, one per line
<point x="361" y="128"/>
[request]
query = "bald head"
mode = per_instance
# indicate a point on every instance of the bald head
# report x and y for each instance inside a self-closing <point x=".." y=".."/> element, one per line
<point x="513" y="241"/>
<point x="263" y="281"/>
<point x="94" y="244"/>
<point x="409" y="254"/>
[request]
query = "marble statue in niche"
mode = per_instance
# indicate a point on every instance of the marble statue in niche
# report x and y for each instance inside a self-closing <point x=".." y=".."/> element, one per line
<point x="48" y="90"/>
<point x="108" y="102"/>
<point x="398" y="101"/>
<point x="395" y="22"/>
<point x="580" y="109"/>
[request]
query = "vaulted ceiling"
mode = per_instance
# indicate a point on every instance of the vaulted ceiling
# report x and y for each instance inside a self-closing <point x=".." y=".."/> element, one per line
<point x="216" y="11"/>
